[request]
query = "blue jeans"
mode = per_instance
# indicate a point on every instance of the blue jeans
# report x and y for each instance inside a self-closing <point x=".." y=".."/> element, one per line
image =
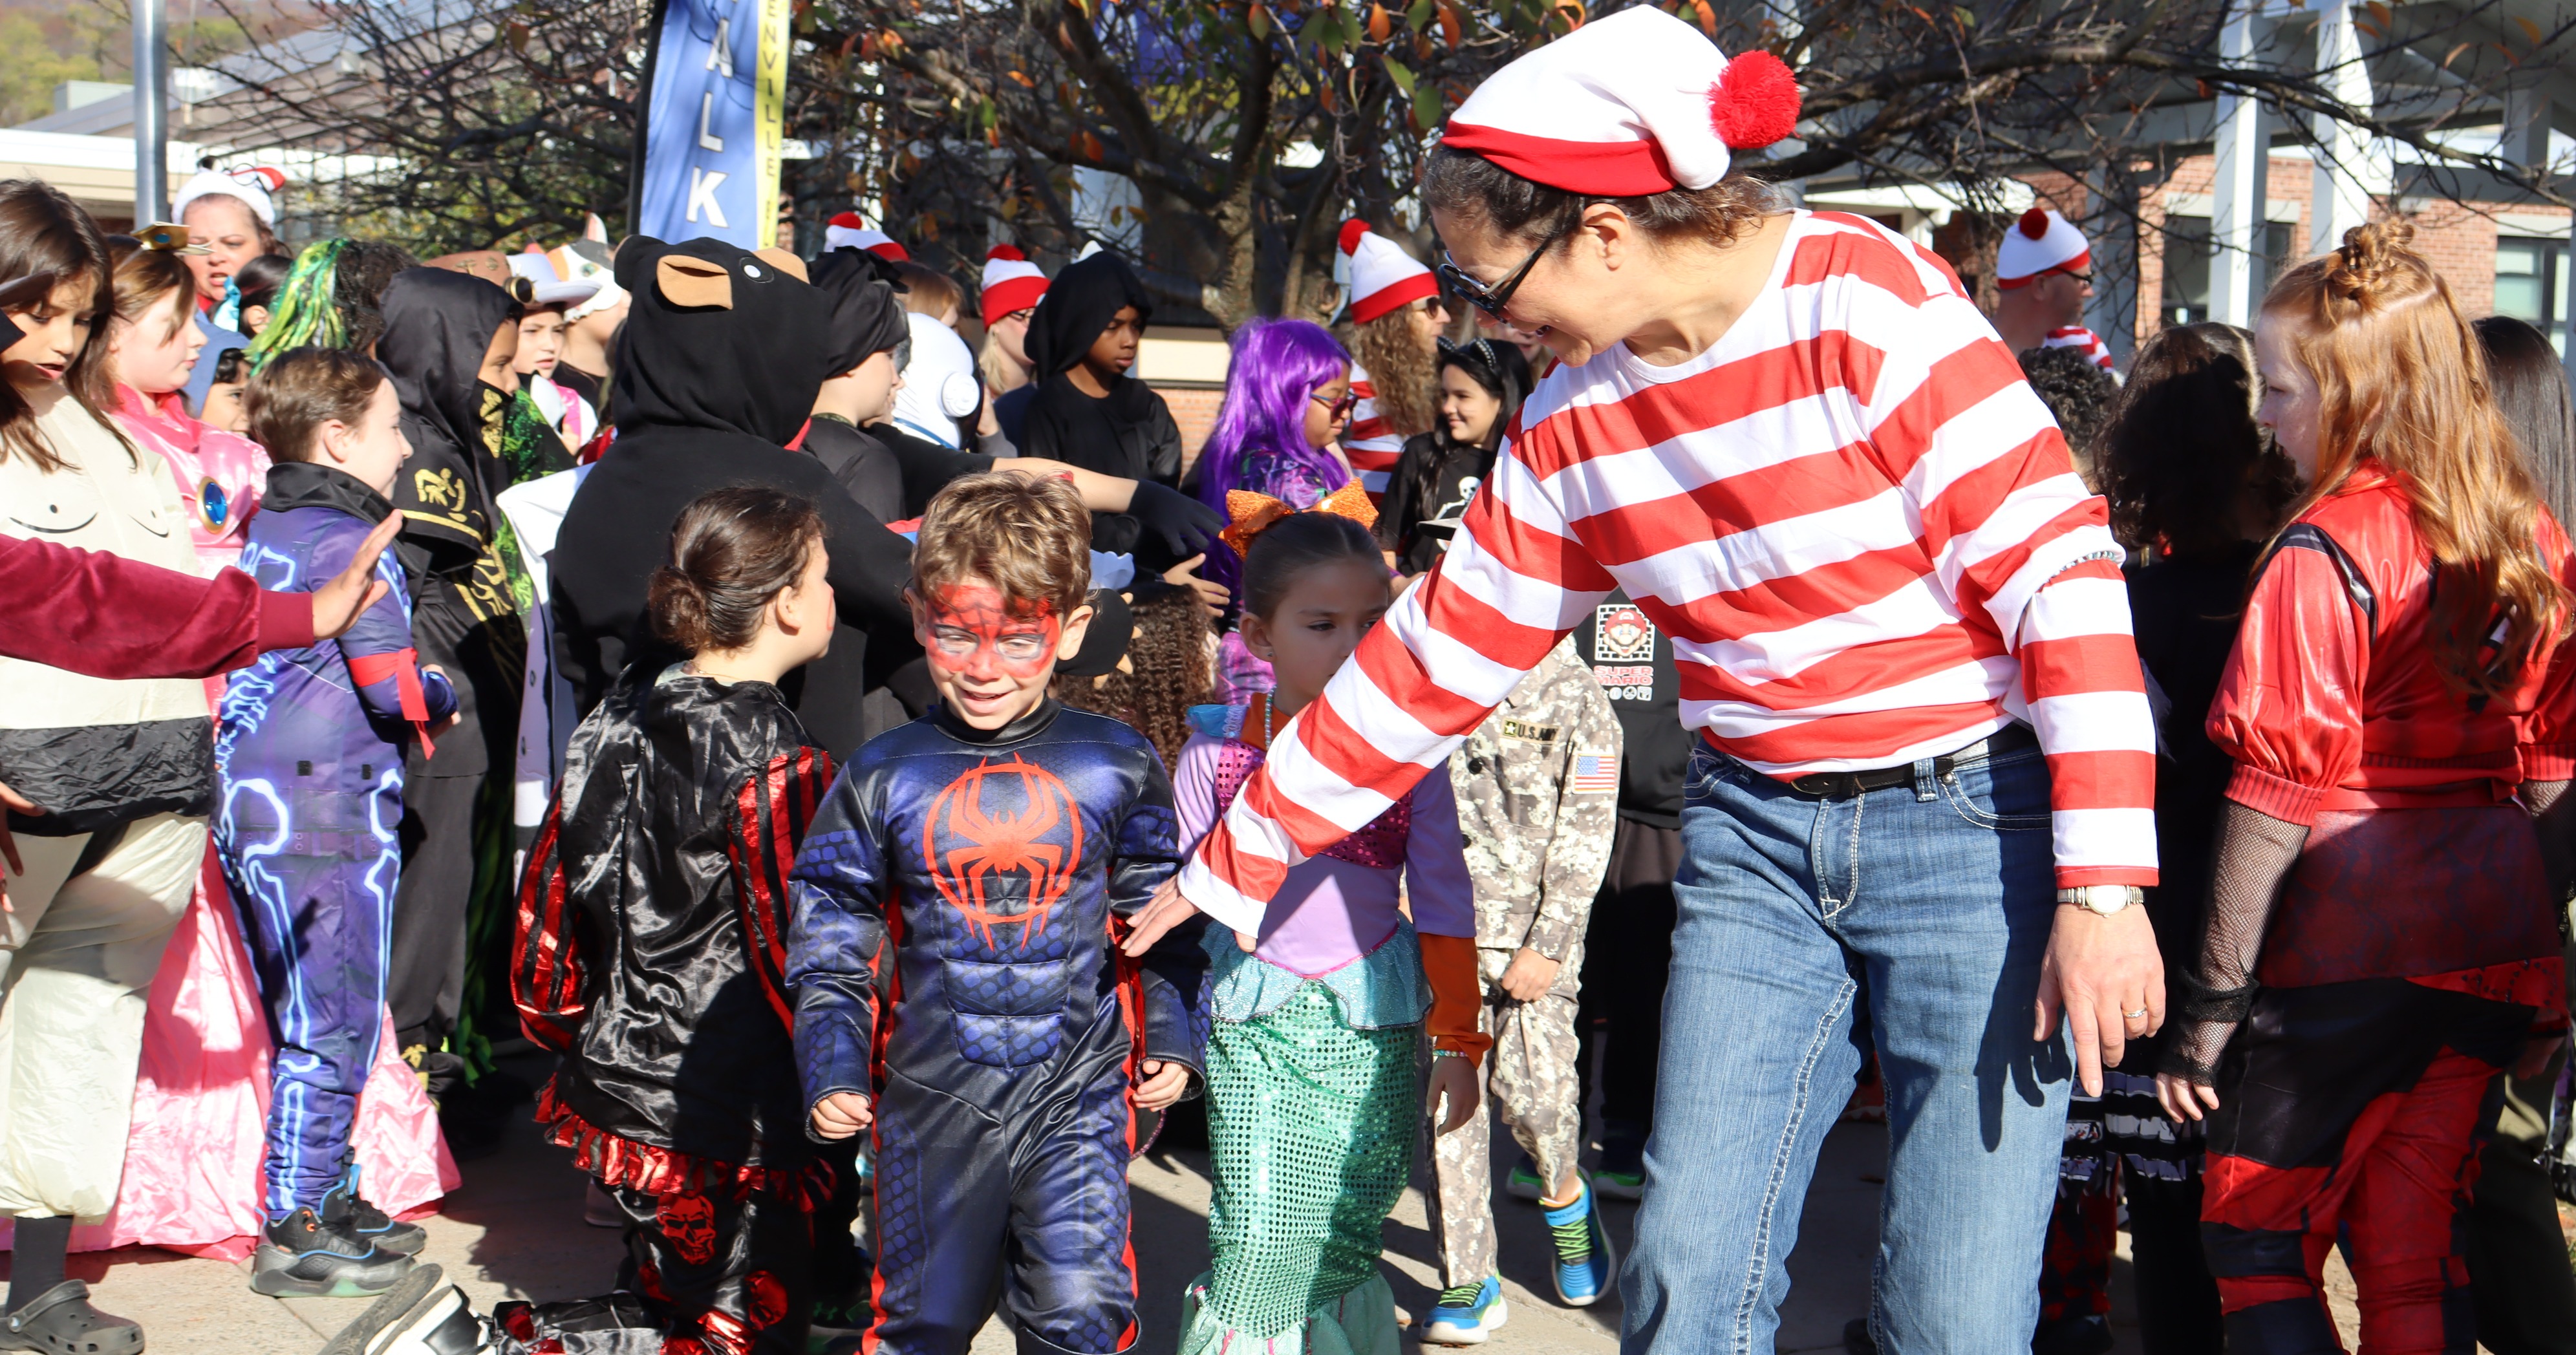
<point x="1913" y="917"/>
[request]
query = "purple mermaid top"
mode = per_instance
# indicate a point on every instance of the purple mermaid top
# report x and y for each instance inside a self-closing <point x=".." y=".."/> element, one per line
<point x="1341" y="904"/>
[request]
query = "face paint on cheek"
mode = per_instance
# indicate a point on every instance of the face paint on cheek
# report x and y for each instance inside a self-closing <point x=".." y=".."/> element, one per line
<point x="970" y="626"/>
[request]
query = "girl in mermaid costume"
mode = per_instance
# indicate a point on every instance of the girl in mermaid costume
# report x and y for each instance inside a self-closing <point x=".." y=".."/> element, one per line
<point x="1311" y="1063"/>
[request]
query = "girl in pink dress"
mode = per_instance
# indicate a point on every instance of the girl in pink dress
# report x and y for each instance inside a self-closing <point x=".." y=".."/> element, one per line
<point x="192" y="1163"/>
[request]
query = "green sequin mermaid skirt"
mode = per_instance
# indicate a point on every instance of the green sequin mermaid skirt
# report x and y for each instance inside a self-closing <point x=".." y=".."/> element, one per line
<point x="1310" y="1123"/>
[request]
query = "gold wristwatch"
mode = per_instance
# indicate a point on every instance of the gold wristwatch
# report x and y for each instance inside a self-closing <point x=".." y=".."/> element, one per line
<point x="2103" y="899"/>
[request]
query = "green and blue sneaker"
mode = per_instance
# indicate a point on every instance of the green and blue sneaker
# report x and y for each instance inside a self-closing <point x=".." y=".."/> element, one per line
<point x="1523" y="1183"/>
<point x="1585" y="1257"/>
<point x="1466" y="1313"/>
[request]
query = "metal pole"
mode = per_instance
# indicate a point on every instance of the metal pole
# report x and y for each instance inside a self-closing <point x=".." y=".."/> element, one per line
<point x="151" y="119"/>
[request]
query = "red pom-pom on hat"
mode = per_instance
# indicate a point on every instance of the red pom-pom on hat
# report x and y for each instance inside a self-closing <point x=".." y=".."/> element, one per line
<point x="848" y="221"/>
<point x="1755" y="103"/>
<point x="2034" y="223"/>
<point x="1006" y="252"/>
<point x="1352" y="230"/>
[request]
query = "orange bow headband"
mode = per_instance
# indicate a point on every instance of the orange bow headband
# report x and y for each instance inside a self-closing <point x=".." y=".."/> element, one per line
<point x="1255" y="513"/>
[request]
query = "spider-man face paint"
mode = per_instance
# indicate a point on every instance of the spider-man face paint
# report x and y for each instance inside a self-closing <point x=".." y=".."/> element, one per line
<point x="990" y="661"/>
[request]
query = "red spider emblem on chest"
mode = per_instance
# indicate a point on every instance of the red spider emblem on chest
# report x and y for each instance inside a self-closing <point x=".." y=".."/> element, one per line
<point x="989" y="842"/>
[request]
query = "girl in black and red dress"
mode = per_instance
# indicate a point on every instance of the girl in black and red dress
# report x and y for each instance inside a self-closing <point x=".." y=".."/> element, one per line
<point x="652" y="928"/>
<point x="2380" y="937"/>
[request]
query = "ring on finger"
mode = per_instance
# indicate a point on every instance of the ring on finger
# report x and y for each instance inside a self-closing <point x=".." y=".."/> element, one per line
<point x="2139" y="1015"/>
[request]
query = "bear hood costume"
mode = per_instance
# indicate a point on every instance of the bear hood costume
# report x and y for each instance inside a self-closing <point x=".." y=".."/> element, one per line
<point x="718" y="366"/>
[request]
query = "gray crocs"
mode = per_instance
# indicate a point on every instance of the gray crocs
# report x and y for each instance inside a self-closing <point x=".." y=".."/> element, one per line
<point x="61" y="1321"/>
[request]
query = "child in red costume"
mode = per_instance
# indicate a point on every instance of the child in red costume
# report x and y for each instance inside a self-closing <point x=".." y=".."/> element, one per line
<point x="2380" y="938"/>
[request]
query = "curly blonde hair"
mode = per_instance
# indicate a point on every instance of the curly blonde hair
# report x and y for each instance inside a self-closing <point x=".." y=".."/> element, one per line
<point x="1401" y="369"/>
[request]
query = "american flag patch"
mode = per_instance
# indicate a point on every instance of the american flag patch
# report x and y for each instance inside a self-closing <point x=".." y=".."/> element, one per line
<point x="1596" y="773"/>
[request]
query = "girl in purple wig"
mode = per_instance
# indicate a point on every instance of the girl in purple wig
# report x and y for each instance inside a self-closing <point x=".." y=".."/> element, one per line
<point x="1287" y="399"/>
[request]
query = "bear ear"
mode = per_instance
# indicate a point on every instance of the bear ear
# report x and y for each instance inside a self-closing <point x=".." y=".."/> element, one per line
<point x="783" y="261"/>
<point x="687" y="281"/>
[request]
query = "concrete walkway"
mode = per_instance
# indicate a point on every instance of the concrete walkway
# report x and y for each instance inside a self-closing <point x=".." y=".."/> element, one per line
<point x="515" y="1231"/>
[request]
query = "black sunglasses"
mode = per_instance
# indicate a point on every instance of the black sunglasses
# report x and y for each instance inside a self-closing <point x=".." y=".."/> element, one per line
<point x="1491" y="300"/>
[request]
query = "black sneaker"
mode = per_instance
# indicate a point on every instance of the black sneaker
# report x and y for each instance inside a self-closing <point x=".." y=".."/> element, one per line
<point x="300" y="1256"/>
<point x="61" y="1321"/>
<point x="345" y="1208"/>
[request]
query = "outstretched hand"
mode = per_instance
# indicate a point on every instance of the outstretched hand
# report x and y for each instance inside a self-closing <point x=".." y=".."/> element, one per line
<point x="1212" y="596"/>
<point x="1185" y="524"/>
<point x="337" y="605"/>
<point x="1166" y="910"/>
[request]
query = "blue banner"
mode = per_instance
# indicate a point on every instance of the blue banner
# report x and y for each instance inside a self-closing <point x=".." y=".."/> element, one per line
<point x="711" y="131"/>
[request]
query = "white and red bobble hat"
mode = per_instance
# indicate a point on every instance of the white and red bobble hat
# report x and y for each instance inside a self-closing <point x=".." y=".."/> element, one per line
<point x="1011" y="283"/>
<point x="2041" y="242"/>
<point x="1637" y="103"/>
<point x="254" y="186"/>
<point x="1376" y="274"/>
<point x="849" y="230"/>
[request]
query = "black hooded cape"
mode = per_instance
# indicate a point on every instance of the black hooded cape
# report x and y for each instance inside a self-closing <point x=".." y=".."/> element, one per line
<point x="438" y="325"/>
<point x="1130" y="433"/>
<point x="708" y="397"/>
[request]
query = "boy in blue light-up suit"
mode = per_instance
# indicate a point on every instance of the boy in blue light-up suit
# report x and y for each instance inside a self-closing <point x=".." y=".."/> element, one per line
<point x="309" y="752"/>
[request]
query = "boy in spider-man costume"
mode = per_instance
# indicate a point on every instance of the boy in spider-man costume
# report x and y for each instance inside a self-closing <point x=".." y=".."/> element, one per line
<point x="958" y="988"/>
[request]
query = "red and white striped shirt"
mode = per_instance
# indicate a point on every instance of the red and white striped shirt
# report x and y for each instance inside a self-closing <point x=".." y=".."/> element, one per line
<point x="2082" y="340"/>
<point x="1369" y="444"/>
<point x="1854" y="517"/>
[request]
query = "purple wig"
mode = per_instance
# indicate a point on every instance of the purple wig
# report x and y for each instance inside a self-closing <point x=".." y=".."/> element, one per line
<point x="1276" y="366"/>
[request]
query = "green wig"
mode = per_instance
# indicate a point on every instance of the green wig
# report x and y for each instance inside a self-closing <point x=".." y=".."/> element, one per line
<point x="305" y="314"/>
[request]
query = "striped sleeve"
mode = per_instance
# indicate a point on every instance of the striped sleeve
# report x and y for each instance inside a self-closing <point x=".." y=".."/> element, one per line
<point x="1369" y="444"/>
<point x="2024" y="547"/>
<point x="1452" y="648"/>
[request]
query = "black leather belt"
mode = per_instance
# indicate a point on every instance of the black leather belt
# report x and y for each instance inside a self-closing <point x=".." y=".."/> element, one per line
<point x="1845" y="785"/>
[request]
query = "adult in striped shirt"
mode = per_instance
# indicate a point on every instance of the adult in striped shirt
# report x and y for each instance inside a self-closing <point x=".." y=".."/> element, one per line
<point x="2043" y="277"/>
<point x="1921" y="804"/>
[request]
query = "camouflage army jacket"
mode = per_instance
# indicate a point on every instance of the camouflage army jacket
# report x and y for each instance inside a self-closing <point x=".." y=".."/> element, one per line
<point x="1538" y="792"/>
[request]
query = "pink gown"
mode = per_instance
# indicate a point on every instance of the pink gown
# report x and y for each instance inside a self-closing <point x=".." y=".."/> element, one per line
<point x="192" y="1178"/>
